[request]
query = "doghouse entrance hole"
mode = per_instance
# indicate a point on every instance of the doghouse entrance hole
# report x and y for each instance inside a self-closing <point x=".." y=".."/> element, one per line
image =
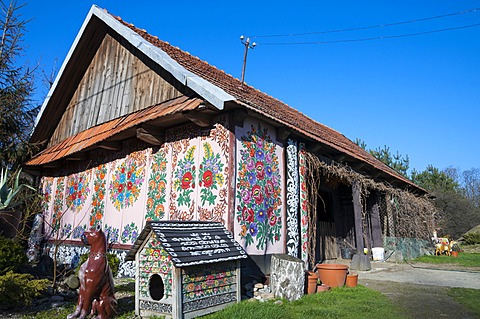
<point x="156" y="287"/>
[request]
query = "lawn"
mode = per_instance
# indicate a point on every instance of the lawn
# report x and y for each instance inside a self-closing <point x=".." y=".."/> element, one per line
<point x="464" y="259"/>
<point x="348" y="303"/>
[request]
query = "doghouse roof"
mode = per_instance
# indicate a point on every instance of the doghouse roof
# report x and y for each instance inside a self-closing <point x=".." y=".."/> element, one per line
<point x="191" y="242"/>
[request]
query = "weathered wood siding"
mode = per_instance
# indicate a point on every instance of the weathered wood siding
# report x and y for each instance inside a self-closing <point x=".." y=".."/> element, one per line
<point x="116" y="83"/>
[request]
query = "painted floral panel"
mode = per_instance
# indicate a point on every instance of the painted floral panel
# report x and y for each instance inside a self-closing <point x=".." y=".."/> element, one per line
<point x="155" y="260"/>
<point x="98" y="196"/>
<point x="58" y="207"/>
<point x="208" y="280"/>
<point x="126" y="183"/>
<point x="77" y="191"/>
<point x="47" y="206"/>
<point x="259" y="187"/>
<point x="184" y="172"/>
<point x="303" y="203"/>
<point x="157" y="186"/>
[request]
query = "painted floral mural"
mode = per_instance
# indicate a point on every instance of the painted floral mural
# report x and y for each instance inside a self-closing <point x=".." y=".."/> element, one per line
<point x="184" y="179"/>
<point x="211" y="175"/>
<point x="157" y="187"/>
<point x="126" y="183"/>
<point x="208" y="280"/>
<point x="259" y="189"/>
<point x="98" y="196"/>
<point x="78" y="189"/>
<point x="303" y="203"/>
<point x="155" y="260"/>
<point x="58" y="204"/>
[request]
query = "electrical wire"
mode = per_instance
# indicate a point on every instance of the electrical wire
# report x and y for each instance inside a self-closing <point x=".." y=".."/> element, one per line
<point x="368" y="27"/>
<point x="371" y="38"/>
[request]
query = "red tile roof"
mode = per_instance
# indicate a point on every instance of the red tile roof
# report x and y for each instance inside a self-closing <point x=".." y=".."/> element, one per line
<point x="267" y="105"/>
<point x="99" y="133"/>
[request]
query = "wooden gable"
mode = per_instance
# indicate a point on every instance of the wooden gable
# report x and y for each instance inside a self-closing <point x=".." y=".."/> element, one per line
<point x="117" y="82"/>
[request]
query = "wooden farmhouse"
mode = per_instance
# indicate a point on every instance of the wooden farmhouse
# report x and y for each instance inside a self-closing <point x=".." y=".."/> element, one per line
<point x="137" y="130"/>
<point x="185" y="269"/>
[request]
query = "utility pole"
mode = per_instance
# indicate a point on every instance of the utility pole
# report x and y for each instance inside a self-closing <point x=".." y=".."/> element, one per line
<point x="246" y="43"/>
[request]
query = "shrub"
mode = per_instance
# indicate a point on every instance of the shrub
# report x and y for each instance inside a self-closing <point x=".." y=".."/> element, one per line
<point x="11" y="255"/>
<point x="113" y="262"/>
<point x="471" y="238"/>
<point x="20" y="289"/>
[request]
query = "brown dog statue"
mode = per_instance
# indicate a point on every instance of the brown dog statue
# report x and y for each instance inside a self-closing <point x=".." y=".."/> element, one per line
<point x="96" y="296"/>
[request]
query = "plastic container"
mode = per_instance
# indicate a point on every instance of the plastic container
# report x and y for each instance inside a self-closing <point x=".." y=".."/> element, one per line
<point x="378" y="253"/>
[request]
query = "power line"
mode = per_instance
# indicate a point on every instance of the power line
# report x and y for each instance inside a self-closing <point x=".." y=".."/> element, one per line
<point x="368" y="27"/>
<point x="371" y="38"/>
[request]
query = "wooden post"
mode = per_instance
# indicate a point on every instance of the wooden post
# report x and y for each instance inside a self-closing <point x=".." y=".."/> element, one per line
<point x="375" y="220"/>
<point x="357" y="212"/>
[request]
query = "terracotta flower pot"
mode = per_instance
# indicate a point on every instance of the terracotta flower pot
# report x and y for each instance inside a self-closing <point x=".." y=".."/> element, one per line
<point x="352" y="280"/>
<point x="312" y="280"/>
<point x="454" y="253"/>
<point x="322" y="288"/>
<point x="332" y="275"/>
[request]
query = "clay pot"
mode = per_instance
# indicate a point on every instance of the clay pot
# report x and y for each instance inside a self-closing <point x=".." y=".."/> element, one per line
<point x="322" y="288"/>
<point x="332" y="275"/>
<point x="312" y="280"/>
<point x="352" y="280"/>
<point x="454" y="253"/>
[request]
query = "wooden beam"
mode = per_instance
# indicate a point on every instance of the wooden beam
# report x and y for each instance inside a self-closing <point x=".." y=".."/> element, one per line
<point x="151" y="135"/>
<point x="201" y="119"/>
<point x="282" y="134"/>
<point x="357" y="165"/>
<point x="77" y="157"/>
<point x="374" y="200"/>
<point x="314" y="146"/>
<point x="357" y="212"/>
<point x="239" y="116"/>
<point x="111" y="146"/>
<point x="338" y="157"/>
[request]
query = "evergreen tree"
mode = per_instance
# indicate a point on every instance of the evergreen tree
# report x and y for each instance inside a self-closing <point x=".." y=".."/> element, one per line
<point x="16" y="86"/>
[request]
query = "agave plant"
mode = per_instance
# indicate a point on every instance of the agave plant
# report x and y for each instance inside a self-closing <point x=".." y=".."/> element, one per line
<point x="8" y="194"/>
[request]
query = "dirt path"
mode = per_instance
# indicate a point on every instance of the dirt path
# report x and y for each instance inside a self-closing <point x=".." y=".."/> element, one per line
<point x="421" y="290"/>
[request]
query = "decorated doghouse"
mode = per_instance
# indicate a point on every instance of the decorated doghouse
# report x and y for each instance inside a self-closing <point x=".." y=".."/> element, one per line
<point x="185" y="269"/>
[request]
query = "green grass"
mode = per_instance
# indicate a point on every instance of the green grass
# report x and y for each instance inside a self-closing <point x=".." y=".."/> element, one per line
<point x="467" y="297"/>
<point x="347" y="303"/>
<point x="464" y="259"/>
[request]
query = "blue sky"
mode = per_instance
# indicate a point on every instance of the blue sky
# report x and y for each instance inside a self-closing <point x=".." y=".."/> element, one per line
<point x="419" y="95"/>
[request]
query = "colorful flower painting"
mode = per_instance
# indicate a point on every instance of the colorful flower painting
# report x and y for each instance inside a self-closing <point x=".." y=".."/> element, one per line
<point x="205" y="281"/>
<point x="210" y="174"/>
<point x="157" y="187"/>
<point x="98" y="196"/>
<point x="58" y="203"/>
<point x="126" y="183"/>
<point x="112" y="234"/>
<point x="184" y="178"/>
<point x="303" y="203"/>
<point x="258" y="189"/>
<point x="77" y="191"/>
<point x="66" y="231"/>
<point x="129" y="234"/>
<point x="47" y="193"/>
<point x="155" y="260"/>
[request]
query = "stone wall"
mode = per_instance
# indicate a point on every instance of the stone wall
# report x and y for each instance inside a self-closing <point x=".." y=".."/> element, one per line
<point x="287" y="277"/>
